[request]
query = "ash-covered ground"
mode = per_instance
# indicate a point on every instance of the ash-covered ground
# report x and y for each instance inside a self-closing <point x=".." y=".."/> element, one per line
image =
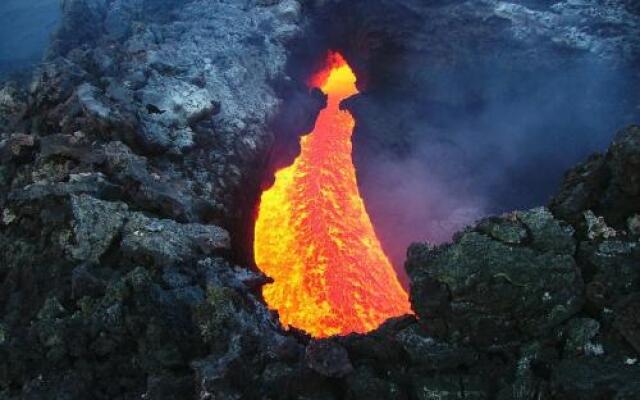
<point x="131" y="165"/>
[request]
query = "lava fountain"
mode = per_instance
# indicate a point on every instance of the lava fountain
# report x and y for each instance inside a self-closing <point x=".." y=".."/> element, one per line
<point x="313" y="236"/>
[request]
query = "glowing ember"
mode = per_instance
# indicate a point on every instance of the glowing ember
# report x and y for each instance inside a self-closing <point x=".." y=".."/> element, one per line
<point x="313" y="235"/>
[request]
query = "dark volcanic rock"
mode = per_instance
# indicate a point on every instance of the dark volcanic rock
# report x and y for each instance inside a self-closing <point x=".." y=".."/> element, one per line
<point x="75" y="147"/>
<point x="627" y="319"/>
<point x="17" y="147"/>
<point x="130" y="169"/>
<point x="472" y="290"/>
<point x="328" y="358"/>
<point x="97" y="224"/>
<point x="147" y="127"/>
<point x="448" y="387"/>
<point x="194" y="85"/>
<point x="85" y="283"/>
<point x="592" y="379"/>
<point x="167" y="195"/>
<point x="608" y="184"/>
<point x="431" y="353"/>
<point x="13" y="105"/>
<point x="167" y="242"/>
<point x="91" y="183"/>
<point x="365" y="384"/>
<point x="613" y="267"/>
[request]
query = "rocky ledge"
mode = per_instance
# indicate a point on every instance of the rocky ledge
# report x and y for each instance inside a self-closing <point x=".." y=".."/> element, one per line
<point x="102" y="301"/>
<point x="126" y="166"/>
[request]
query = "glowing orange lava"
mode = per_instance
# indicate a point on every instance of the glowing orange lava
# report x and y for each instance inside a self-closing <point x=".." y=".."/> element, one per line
<point x="313" y="235"/>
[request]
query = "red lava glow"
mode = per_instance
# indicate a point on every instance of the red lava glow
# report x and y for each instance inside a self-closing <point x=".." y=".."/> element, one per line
<point x="314" y="237"/>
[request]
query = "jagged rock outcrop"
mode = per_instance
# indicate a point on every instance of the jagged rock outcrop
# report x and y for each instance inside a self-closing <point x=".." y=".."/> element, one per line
<point x="194" y="84"/>
<point x="12" y="104"/>
<point x="486" y="291"/>
<point x="142" y="132"/>
<point x="608" y="184"/>
<point x="530" y="284"/>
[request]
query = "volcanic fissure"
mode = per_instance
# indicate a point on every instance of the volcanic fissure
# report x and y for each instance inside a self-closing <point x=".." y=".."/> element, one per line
<point x="313" y="235"/>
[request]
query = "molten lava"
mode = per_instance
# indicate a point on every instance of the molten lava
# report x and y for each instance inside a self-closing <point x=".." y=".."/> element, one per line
<point x="313" y="235"/>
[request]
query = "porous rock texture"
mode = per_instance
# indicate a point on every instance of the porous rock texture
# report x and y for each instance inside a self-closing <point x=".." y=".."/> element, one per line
<point x="128" y="166"/>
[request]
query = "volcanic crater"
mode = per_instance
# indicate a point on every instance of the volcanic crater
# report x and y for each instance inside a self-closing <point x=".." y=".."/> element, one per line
<point x="198" y="199"/>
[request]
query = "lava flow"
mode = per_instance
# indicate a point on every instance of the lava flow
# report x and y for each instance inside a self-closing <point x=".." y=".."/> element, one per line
<point x="314" y="237"/>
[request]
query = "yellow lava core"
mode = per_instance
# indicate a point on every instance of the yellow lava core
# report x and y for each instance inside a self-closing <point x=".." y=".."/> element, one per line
<point x="313" y="235"/>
